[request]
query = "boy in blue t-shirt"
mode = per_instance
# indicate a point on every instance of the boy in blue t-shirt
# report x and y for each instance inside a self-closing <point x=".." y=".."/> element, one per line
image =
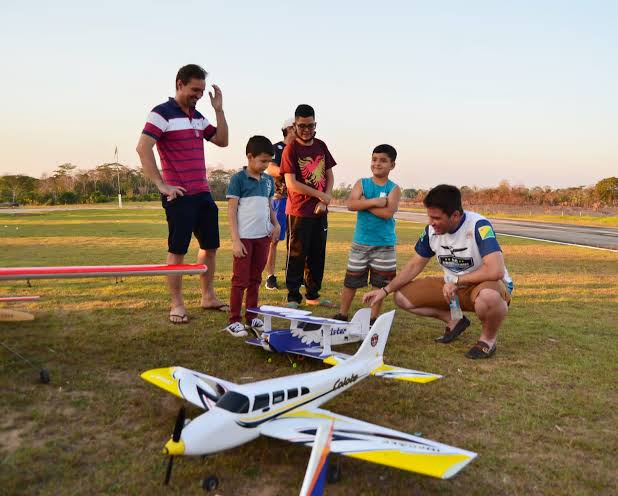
<point x="253" y="223"/>
<point x="376" y="199"/>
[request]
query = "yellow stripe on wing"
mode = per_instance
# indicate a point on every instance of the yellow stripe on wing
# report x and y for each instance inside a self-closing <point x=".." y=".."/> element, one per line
<point x="441" y="466"/>
<point x="163" y="378"/>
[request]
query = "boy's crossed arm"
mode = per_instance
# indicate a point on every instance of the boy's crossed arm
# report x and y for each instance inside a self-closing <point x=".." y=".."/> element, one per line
<point x="384" y="207"/>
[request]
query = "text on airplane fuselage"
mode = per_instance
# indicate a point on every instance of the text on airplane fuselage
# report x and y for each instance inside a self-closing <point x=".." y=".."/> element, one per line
<point x="339" y="383"/>
<point x="337" y="330"/>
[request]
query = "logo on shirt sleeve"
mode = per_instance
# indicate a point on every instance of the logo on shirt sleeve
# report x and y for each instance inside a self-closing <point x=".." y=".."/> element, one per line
<point x="486" y="232"/>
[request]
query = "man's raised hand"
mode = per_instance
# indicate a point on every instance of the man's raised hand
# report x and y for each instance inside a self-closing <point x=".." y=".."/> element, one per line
<point x="216" y="98"/>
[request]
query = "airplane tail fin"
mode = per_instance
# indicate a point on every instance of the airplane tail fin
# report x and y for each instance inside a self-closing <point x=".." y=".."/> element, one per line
<point x="362" y="318"/>
<point x="375" y="341"/>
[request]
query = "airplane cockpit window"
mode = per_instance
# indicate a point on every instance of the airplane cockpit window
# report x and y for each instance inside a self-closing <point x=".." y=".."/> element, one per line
<point x="261" y="401"/>
<point x="304" y="390"/>
<point x="278" y="396"/>
<point x="292" y="393"/>
<point x="234" y="402"/>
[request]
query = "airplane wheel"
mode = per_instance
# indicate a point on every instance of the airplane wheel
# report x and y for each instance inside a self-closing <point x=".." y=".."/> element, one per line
<point x="294" y="365"/>
<point x="270" y="360"/>
<point x="334" y="473"/>
<point x="44" y="376"/>
<point x="210" y="483"/>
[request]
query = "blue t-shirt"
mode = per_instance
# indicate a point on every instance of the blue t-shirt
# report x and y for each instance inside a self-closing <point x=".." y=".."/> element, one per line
<point x="253" y="203"/>
<point x="370" y="229"/>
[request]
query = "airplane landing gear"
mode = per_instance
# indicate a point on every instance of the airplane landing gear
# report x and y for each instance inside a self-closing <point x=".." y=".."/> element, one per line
<point x="210" y="483"/>
<point x="333" y="474"/>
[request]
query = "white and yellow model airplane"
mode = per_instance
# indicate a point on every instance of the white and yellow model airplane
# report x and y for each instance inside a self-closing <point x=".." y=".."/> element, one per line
<point x="287" y="408"/>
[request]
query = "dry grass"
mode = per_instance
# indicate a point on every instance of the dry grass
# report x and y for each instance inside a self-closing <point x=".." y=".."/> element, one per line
<point x="541" y="414"/>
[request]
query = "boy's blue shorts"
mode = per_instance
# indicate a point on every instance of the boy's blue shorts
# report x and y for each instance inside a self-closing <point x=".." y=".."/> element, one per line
<point x="279" y="206"/>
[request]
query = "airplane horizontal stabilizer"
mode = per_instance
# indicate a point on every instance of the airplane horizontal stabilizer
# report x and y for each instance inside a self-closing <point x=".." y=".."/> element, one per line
<point x="390" y="372"/>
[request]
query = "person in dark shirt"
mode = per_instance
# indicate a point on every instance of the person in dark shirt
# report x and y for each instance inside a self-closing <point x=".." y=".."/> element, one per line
<point x="279" y="201"/>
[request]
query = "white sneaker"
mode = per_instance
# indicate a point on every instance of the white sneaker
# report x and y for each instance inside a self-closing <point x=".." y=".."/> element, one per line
<point x="257" y="325"/>
<point x="236" y="329"/>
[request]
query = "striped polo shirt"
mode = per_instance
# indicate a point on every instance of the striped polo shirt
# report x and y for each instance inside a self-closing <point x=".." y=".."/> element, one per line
<point x="180" y="145"/>
<point x="253" y="203"/>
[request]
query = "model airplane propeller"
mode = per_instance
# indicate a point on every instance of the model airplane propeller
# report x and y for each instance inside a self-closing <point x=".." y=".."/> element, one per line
<point x="287" y="408"/>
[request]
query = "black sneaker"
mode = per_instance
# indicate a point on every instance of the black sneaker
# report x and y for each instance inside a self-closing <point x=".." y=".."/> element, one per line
<point x="271" y="282"/>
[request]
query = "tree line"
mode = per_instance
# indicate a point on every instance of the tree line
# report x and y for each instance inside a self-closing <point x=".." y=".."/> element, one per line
<point x="69" y="184"/>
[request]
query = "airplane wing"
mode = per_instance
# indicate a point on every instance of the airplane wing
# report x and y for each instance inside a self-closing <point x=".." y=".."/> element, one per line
<point x="281" y="312"/>
<point x="10" y="299"/>
<point x="80" y="271"/>
<point x="200" y="389"/>
<point x="372" y="443"/>
<point x="388" y="371"/>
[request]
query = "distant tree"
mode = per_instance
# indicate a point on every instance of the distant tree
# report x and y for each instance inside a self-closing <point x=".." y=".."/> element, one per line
<point x="409" y="193"/>
<point x="607" y="190"/>
<point x="219" y="180"/>
<point x="342" y="191"/>
<point x="16" y="188"/>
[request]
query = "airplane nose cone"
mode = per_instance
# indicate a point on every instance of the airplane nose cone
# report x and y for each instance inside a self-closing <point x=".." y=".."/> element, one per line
<point x="174" y="448"/>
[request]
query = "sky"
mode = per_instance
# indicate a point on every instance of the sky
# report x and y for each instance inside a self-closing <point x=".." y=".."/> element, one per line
<point x="469" y="93"/>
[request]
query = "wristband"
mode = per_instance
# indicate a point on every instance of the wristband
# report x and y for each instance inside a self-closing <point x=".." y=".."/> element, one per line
<point x="385" y="291"/>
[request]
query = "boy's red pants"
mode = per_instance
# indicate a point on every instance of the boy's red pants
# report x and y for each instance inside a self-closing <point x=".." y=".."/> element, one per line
<point x="247" y="275"/>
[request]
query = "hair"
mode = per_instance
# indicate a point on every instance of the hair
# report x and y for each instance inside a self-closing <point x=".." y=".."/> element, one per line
<point x="188" y="72"/>
<point x="388" y="149"/>
<point x="285" y="132"/>
<point x="258" y="145"/>
<point x="304" y="110"/>
<point x="445" y="197"/>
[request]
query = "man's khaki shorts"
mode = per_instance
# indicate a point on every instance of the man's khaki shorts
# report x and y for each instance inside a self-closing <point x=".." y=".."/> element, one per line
<point x="427" y="292"/>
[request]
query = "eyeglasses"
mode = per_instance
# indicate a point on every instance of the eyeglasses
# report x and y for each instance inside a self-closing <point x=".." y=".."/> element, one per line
<point x="310" y="127"/>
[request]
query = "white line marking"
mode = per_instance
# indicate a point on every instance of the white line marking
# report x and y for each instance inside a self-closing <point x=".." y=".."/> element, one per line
<point x="557" y="242"/>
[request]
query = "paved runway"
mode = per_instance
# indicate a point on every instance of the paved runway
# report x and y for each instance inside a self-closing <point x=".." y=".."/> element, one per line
<point x="595" y="237"/>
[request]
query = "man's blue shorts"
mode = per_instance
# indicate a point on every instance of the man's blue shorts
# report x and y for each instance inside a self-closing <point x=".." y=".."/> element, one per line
<point x="197" y="214"/>
<point x="279" y="206"/>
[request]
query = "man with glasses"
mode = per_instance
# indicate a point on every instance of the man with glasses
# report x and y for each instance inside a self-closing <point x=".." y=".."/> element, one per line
<point x="307" y="165"/>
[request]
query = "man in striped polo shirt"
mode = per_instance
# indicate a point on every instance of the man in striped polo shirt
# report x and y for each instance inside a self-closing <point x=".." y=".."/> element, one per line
<point x="178" y="130"/>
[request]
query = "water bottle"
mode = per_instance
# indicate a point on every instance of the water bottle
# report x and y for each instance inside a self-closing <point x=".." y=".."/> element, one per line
<point x="453" y="304"/>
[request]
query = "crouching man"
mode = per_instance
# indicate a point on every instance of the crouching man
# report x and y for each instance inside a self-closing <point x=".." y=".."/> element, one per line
<point x="475" y="276"/>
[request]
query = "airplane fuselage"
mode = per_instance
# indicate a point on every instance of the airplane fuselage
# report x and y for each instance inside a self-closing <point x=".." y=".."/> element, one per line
<point x="239" y="413"/>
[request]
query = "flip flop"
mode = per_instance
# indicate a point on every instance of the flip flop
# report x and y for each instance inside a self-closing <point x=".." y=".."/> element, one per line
<point x="452" y="334"/>
<point x="224" y="307"/>
<point x="184" y="318"/>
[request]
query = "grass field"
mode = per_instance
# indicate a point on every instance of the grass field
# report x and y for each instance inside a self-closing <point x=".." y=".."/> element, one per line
<point x="542" y="414"/>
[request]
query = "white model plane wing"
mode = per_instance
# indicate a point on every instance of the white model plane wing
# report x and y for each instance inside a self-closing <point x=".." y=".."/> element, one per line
<point x="200" y="389"/>
<point x="282" y="312"/>
<point x="372" y="443"/>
